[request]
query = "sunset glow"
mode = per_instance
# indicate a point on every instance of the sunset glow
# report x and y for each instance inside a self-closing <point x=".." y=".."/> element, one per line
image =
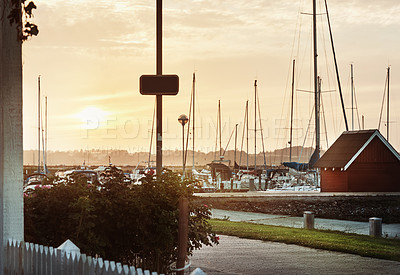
<point x="92" y="117"/>
<point x="91" y="54"/>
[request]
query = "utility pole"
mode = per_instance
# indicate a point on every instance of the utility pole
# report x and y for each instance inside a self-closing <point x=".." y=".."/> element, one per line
<point x="159" y="97"/>
<point x="159" y="85"/>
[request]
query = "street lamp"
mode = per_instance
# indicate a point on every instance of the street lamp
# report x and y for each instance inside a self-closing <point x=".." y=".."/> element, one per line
<point x="183" y="119"/>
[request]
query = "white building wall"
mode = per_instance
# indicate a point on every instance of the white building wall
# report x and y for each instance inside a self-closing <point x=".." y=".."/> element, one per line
<point x="11" y="151"/>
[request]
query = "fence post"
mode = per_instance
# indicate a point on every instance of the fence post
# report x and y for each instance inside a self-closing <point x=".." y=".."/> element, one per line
<point x="27" y="255"/>
<point x="183" y="234"/>
<point x="53" y="261"/>
<point x="7" y="257"/>
<point x="375" y="227"/>
<point x="32" y="258"/>
<point x="132" y="270"/>
<point x="46" y="260"/>
<point x="29" y="258"/>
<point x="41" y="262"/>
<point x="308" y="219"/>
<point x="90" y="265"/>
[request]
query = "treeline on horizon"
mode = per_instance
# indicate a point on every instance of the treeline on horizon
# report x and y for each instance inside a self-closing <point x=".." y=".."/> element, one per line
<point x="170" y="157"/>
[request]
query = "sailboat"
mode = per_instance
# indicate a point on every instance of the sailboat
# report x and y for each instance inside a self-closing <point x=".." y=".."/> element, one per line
<point x="308" y="167"/>
<point x="203" y="178"/>
<point x="252" y="175"/>
<point x="40" y="176"/>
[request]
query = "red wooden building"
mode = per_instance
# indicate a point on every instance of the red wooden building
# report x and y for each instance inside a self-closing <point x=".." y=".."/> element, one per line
<point x="360" y="161"/>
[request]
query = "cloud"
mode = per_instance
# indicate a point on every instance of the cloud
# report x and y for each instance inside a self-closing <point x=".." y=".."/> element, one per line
<point x="81" y="25"/>
<point x="93" y="52"/>
<point x="106" y="97"/>
<point x="366" y="12"/>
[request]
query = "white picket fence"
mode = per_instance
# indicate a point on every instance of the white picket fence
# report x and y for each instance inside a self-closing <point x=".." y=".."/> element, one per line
<point x="28" y="258"/>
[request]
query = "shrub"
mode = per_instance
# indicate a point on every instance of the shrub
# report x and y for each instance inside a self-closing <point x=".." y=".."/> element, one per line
<point x="133" y="224"/>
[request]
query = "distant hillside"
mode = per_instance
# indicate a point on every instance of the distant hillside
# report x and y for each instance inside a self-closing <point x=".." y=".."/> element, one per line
<point x="170" y="157"/>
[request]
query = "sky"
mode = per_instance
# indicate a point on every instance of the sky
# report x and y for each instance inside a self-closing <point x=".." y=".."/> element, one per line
<point x="91" y="53"/>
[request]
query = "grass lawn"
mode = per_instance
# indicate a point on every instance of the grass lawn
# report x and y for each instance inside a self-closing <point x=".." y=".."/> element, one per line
<point x="363" y="245"/>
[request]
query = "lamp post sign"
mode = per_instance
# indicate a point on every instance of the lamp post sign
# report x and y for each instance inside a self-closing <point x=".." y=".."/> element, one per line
<point x="159" y="84"/>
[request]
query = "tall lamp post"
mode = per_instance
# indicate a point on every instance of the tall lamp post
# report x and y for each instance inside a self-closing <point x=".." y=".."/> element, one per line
<point x="183" y="119"/>
<point x="183" y="210"/>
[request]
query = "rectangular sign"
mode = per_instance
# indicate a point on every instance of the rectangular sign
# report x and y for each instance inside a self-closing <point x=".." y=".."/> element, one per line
<point x="159" y="84"/>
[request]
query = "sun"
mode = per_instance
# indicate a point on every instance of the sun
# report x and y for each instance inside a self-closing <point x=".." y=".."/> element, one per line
<point x="92" y="117"/>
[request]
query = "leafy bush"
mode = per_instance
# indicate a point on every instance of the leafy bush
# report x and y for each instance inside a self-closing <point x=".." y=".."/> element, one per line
<point x="134" y="224"/>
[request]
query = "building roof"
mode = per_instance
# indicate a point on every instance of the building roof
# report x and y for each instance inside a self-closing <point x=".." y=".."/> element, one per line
<point x="348" y="147"/>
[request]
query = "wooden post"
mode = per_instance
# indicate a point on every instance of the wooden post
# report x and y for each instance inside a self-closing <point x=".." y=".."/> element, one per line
<point x="11" y="165"/>
<point x="183" y="234"/>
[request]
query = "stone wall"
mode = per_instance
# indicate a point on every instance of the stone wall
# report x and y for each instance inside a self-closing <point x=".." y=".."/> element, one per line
<point x="354" y="208"/>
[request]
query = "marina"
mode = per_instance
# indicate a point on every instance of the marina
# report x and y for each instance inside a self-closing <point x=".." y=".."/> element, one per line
<point x="139" y="132"/>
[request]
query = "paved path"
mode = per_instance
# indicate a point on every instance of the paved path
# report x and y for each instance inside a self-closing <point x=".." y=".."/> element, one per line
<point x="242" y="256"/>
<point x="390" y="230"/>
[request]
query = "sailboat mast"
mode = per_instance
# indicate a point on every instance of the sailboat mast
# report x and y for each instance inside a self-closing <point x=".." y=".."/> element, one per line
<point x="336" y="67"/>
<point x="234" y="156"/>
<point x="220" y="130"/>
<point x="247" y="134"/>
<point x="388" y="79"/>
<point x="262" y="135"/>
<point x="255" y="125"/>
<point x="317" y="105"/>
<point x="291" y="113"/>
<point x="352" y="97"/>
<point x="45" y="136"/>
<point x="39" y="124"/>
<point x="193" y="120"/>
<point x="216" y="135"/>
<point x="152" y="134"/>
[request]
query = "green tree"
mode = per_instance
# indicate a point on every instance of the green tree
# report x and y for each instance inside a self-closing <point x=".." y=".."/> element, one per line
<point x="20" y="16"/>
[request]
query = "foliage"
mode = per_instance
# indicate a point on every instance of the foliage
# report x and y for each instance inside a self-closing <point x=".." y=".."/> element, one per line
<point x="321" y="239"/>
<point x="134" y="224"/>
<point x="20" y="15"/>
